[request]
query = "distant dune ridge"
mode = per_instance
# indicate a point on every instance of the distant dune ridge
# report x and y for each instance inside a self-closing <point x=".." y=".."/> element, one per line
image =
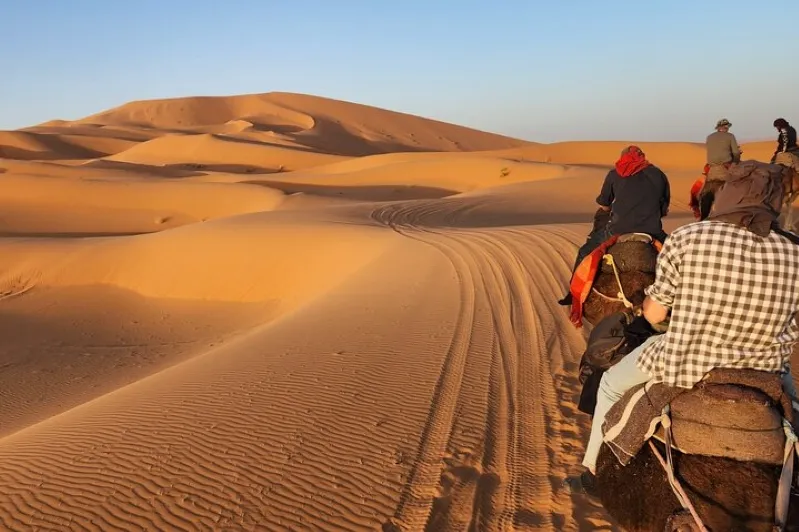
<point x="285" y="312"/>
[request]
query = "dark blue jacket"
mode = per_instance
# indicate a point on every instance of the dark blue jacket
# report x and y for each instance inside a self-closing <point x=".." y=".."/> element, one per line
<point x="637" y="202"/>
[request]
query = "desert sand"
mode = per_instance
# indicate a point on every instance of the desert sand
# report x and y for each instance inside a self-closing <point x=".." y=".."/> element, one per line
<point x="283" y="312"/>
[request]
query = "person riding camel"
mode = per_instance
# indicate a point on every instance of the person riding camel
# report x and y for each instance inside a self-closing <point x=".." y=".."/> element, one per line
<point x="634" y="198"/>
<point x="787" y="152"/>
<point x="722" y="152"/>
<point x="729" y="285"/>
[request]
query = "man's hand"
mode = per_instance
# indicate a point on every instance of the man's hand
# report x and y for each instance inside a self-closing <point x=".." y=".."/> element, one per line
<point x="654" y="312"/>
<point x="601" y="218"/>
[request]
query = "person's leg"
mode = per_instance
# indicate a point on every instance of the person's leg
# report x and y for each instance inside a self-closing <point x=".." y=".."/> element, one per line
<point x="594" y="240"/>
<point x="790" y="388"/>
<point x="615" y="382"/>
<point x="707" y="196"/>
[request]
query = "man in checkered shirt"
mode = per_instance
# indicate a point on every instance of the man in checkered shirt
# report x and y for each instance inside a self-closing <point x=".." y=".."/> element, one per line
<point x="732" y="286"/>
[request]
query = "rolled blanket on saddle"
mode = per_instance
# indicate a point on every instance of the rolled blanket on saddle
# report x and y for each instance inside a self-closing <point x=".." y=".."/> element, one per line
<point x="732" y="413"/>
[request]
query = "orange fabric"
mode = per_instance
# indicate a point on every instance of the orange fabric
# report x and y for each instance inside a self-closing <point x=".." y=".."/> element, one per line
<point x="583" y="280"/>
<point x="696" y="188"/>
<point x="585" y="275"/>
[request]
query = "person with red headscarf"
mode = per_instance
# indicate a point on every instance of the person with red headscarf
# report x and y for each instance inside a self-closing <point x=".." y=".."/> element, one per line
<point x="634" y="198"/>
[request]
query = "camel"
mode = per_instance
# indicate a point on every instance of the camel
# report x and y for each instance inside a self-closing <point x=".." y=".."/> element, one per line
<point x="634" y="259"/>
<point x="726" y="493"/>
<point x="790" y="182"/>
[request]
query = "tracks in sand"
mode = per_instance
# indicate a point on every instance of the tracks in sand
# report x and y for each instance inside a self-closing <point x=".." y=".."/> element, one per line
<point x="501" y="431"/>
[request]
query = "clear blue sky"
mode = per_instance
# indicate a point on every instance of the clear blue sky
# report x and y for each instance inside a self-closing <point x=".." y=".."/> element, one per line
<point x="535" y="69"/>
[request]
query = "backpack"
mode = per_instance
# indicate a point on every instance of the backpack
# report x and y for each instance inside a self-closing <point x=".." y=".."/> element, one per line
<point x="612" y="339"/>
<point x="752" y="184"/>
<point x="752" y="196"/>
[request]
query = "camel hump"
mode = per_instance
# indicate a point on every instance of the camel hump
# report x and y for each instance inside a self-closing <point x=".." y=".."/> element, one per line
<point x="738" y="418"/>
<point x="632" y="252"/>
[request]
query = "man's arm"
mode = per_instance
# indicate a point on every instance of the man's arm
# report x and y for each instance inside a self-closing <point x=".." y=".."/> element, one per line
<point x="735" y="150"/>
<point x="654" y="312"/>
<point x="782" y="143"/>
<point x="665" y="201"/>
<point x="605" y="198"/>
<point x="660" y="294"/>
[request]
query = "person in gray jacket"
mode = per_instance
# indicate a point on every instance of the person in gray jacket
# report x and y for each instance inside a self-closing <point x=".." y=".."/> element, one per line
<point x="722" y="152"/>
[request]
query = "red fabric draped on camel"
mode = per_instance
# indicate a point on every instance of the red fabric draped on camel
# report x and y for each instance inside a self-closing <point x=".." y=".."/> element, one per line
<point x="696" y="188"/>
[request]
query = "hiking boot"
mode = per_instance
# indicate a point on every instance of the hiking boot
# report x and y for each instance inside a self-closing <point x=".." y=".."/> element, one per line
<point x="584" y="483"/>
<point x="566" y="301"/>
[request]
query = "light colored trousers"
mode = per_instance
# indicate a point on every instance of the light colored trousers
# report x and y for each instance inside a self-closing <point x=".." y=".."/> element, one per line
<point x="620" y="378"/>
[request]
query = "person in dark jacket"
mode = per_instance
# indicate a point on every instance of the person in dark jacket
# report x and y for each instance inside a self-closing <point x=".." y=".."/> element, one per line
<point x="786" y="141"/>
<point x="634" y="198"/>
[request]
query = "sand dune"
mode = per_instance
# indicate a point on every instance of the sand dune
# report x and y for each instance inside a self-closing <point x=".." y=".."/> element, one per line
<point x="674" y="156"/>
<point x="282" y="312"/>
<point x="95" y="130"/>
<point x="210" y="150"/>
<point x="53" y="206"/>
<point x="325" y="125"/>
<point x="38" y="146"/>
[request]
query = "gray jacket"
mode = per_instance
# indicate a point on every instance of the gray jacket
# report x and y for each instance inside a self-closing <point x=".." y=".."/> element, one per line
<point x="722" y="148"/>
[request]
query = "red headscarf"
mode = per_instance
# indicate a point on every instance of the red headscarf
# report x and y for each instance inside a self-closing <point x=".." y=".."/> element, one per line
<point x="631" y="162"/>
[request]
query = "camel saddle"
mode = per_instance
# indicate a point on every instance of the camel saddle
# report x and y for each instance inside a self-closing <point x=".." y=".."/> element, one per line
<point x="732" y="413"/>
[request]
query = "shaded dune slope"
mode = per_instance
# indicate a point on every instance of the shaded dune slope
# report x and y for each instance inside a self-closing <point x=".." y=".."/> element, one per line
<point x="43" y="146"/>
<point x="179" y="272"/>
<point x="206" y="150"/>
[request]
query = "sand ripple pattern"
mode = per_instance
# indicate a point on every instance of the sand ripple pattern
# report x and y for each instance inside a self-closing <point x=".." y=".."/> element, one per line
<point x="502" y="430"/>
<point x="281" y="438"/>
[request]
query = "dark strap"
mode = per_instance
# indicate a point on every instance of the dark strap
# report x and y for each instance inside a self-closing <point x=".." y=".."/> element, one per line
<point x="787" y="234"/>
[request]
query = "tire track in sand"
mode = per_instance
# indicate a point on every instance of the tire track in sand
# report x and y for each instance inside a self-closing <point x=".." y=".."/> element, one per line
<point x="423" y="483"/>
<point x="512" y="477"/>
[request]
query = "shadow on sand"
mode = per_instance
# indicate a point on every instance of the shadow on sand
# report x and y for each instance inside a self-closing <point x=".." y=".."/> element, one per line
<point x="360" y="193"/>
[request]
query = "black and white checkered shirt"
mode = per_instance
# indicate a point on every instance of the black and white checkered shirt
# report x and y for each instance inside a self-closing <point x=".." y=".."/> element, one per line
<point x="734" y="298"/>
